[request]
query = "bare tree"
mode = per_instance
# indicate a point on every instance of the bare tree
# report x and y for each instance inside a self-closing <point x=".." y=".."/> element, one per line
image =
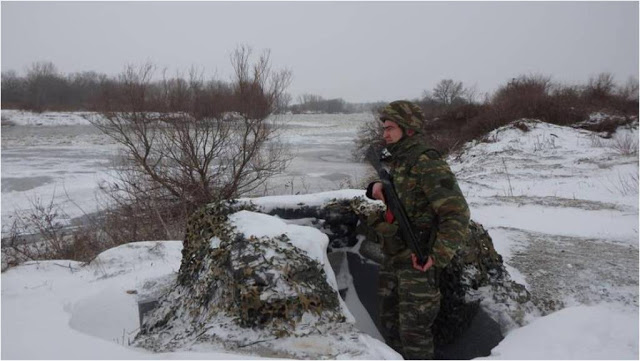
<point x="601" y="86"/>
<point x="448" y="91"/>
<point x="12" y="89"/>
<point x="187" y="142"/>
<point x="44" y="86"/>
<point x="629" y="91"/>
<point x="285" y="101"/>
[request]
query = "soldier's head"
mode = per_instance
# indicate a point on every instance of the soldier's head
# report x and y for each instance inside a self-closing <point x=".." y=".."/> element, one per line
<point x="401" y="118"/>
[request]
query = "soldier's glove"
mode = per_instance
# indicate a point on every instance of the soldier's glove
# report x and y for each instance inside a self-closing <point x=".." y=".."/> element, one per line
<point x="416" y="264"/>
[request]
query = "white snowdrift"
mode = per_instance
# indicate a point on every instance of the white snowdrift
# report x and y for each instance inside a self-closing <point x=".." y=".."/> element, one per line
<point x="596" y="333"/>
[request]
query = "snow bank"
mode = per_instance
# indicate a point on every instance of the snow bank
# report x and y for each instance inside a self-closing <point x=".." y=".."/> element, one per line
<point x="582" y="332"/>
<point x="267" y="204"/>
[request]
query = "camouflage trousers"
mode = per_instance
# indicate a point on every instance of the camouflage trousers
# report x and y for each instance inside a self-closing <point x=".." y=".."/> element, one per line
<point x="409" y="302"/>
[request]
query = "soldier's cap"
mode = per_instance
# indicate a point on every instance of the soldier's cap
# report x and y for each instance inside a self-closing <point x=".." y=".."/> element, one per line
<point x="404" y="113"/>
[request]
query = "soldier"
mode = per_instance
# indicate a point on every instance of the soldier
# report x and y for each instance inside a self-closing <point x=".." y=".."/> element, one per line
<point x="409" y="293"/>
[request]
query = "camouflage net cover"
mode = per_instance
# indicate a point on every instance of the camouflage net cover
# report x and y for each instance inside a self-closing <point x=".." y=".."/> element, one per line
<point x="237" y="291"/>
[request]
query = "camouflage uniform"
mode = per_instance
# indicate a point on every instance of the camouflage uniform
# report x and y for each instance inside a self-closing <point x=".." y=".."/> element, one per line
<point x="409" y="298"/>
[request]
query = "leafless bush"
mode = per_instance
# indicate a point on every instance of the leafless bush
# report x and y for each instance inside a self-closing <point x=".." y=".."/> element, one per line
<point x="629" y="90"/>
<point x="601" y="86"/>
<point x="209" y="141"/>
<point x="40" y="233"/>
<point x="626" y="144"/>
<point x="368" y="133"/>
<point x="624" y="184"/>
<point x="449" y="92"/>
<point x="530" y="96"/>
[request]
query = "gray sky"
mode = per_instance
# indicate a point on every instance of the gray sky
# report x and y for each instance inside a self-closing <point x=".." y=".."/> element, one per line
<point x="360" y="51"/>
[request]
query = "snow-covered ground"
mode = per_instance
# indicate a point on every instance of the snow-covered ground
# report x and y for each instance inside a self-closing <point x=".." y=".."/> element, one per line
<point x="560" y="205"/>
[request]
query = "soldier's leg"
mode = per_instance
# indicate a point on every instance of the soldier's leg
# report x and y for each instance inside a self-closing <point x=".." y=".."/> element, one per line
<point x="388" y="308"/>
<point x="419" y="305"/>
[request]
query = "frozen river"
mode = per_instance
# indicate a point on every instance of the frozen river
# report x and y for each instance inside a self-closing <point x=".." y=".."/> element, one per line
<point x="68" y="161"/>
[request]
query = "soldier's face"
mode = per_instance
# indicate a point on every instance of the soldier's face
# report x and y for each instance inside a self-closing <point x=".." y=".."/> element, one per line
<point x="392" y="132"/>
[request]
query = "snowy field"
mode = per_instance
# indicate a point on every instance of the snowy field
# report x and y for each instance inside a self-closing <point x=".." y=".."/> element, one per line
<point x="560" y="205"/>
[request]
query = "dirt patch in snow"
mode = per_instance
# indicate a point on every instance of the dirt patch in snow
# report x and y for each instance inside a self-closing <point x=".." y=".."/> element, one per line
<point x="564" y="270"/>
<point x="560" y="202"/>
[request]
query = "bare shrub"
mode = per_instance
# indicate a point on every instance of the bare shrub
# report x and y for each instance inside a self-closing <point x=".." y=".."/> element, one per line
<point x="204" y="141"/>
<point x="40" y="233"/>
<point x="449" y="92"/>
<point x="536" y="97"/>
<point x="601" y="86"/>
<point x="624" y="184"/>
<point x="626" y="144"/>
<point x="629" y="91"/>
<point x="368" y="133"/>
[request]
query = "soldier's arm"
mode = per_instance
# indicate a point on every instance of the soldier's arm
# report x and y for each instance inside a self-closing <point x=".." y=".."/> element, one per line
<point x="376" y="220"/>
<point x="445" y="198"/>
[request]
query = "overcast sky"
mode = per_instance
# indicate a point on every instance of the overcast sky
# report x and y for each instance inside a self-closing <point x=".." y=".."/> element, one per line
<point x="359" y="51"/>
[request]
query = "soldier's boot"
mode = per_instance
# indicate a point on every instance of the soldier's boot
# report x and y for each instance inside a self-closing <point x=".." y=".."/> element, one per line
<point x="418" y="305"/>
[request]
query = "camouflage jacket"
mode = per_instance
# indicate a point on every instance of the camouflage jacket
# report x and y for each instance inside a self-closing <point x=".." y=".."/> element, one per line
<point x="428" y="189"/>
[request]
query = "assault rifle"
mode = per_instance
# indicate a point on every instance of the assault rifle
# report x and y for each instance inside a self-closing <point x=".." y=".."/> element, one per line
<point x="396" y="207"/>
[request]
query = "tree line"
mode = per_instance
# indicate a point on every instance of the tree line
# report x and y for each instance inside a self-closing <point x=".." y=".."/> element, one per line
<point x="44" y="88"/>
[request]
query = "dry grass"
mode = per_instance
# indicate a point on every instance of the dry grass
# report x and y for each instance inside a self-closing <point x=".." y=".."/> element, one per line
<point x="626" y="144"/>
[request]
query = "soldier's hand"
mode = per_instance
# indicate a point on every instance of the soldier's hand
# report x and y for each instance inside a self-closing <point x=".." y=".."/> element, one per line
<point x="377" y="192"/>
<point x="416" y="264"/>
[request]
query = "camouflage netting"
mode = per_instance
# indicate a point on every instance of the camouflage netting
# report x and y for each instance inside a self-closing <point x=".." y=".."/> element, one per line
<point x="235" y="292"/>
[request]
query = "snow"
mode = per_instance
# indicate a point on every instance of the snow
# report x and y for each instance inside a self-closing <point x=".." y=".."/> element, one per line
<point x="561" y="205"/>
<point x="48" y="119"/>
<point x="602" y="224"/>
<point x="583" y="332"/>
<point x="94" y="308"/>
<point x="267" y="204"/>
<point x="61" y="310"/>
